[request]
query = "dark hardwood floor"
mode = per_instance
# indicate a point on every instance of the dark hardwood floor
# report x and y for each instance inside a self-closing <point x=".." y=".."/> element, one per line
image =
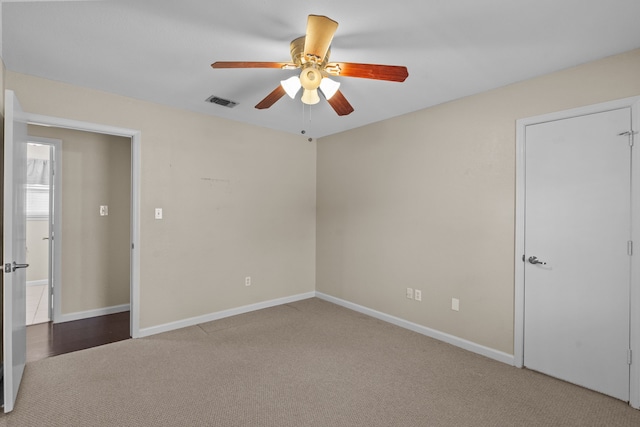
<point x="48" y="339"/>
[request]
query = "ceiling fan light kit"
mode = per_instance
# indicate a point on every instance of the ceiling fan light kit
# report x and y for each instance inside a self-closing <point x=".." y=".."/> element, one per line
<point x="291" y="86"/>
<point x="310" y="53"/>
<point x="310" y="77"/>
<point x="310" y="97"/>
<point x="329" y="87"/>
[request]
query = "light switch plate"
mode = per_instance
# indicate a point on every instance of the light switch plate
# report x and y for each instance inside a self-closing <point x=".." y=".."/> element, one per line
<point x="104" y="210"/>
<point x="158" y="213"/>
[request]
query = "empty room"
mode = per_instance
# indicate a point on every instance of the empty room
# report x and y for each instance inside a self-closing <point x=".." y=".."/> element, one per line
<point x="329" y="214"/>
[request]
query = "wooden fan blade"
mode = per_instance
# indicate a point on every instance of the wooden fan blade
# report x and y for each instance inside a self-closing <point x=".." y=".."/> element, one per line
<point x="320" y="31"/>
<point x="392" y="73"/>
<point x="340" y="104"/>
<point x="235" y="64"/>
<point x="272" y="98"/>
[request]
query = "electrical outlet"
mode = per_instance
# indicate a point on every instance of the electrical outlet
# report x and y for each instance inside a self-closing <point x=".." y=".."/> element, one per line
<point x="455" y="304"/>
<point x="410" y="293"/>
<point x="417" y="295"/>
<point x="247" y="281"/>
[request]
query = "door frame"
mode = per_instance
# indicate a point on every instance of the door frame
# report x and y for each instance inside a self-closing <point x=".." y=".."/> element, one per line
<point x="634" y="298"/>
<point x="55" y="205"/>
<point x="136" y="138"/>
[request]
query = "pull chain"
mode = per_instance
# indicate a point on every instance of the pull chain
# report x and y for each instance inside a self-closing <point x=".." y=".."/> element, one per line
<point x="304" y="116"/>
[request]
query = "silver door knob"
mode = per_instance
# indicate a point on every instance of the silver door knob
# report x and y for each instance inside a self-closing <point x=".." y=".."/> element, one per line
<point x="10" y="268"/>
<point x="534" y="260"/>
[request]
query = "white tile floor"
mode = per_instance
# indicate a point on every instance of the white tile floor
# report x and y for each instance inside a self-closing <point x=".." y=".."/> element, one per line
<point x="37" y="304"/>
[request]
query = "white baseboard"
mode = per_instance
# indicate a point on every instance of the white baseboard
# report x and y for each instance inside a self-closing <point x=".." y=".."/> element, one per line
<point x="92" y="313"/>
<point x="145" y="332"/>
<point x="451" y="339"/>
<point x="38" y="282"/>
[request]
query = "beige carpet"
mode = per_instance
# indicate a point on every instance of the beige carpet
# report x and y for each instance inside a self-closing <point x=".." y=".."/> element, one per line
<point x="309" y="363"/>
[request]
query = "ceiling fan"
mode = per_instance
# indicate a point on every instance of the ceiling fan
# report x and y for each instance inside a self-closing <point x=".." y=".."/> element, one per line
<point x="310" y="53"/>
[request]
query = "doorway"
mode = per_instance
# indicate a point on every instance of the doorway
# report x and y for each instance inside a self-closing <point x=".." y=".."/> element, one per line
<point x="132" y="250"/>
<point x="576" y="276"/>
<point x="91" y="177"/>
<point x="92" y="217"/>
<point x="41" y="155"/>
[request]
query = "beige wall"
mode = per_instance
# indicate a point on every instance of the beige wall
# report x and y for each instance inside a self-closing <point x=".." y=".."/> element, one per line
<point x="426" y="201"/>
<point x="238" y="201"/>
<point x="96" y="170"/>
<point x="37" y="250"/>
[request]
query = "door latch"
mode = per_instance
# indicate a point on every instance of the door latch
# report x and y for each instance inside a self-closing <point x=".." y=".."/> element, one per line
<point x="534" y="260"/>
<point x="10" y="268"/>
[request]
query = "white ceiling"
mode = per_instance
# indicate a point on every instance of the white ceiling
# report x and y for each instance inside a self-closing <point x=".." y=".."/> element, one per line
<point x="161" y="50"/>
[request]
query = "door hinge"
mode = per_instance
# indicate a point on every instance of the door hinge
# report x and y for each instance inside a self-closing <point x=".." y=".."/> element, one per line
<point x="630" y="247"/>
<point x="629" y="357"/>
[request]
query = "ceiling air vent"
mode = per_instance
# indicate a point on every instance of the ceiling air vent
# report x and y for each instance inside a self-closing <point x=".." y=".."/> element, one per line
<point x="221" y="101"/>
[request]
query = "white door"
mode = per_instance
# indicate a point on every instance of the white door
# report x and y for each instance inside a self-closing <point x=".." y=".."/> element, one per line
<point x="577" y="263"/>
<point x="14" y="248"/>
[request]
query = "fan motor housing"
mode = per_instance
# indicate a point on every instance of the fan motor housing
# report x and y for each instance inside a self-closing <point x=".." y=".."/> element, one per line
<point x="297" y="54"/>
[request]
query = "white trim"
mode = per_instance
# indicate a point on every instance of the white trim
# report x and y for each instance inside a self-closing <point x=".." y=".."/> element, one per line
<point x="38" y="282"/>
<point x="136" y="138"/>
<point x="518" y="297"/>
<point x="192" y="321"/>
<point x="634" y="389"/>
<point x="634" y="104"/>
<point x="134" y="296"/>
<point x="441" y="336"/>
<point x="577" y="112"/>
<point x="70" y="317"/>
<point x="59" y="122"/>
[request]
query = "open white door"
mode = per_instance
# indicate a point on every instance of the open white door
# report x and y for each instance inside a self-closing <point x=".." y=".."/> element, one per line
<point x="14" y="304"/>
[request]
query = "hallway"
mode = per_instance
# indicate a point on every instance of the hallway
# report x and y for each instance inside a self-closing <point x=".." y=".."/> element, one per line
<point x="48" y="339"/>
<point x="37" y="304"/>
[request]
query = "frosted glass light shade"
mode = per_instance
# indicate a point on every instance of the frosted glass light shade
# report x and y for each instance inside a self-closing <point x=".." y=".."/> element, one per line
<point x="329" y="87"/>
<point x="291" y="86"/>
<point x="310" y="97"/>
<point x="310" y="78"/>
